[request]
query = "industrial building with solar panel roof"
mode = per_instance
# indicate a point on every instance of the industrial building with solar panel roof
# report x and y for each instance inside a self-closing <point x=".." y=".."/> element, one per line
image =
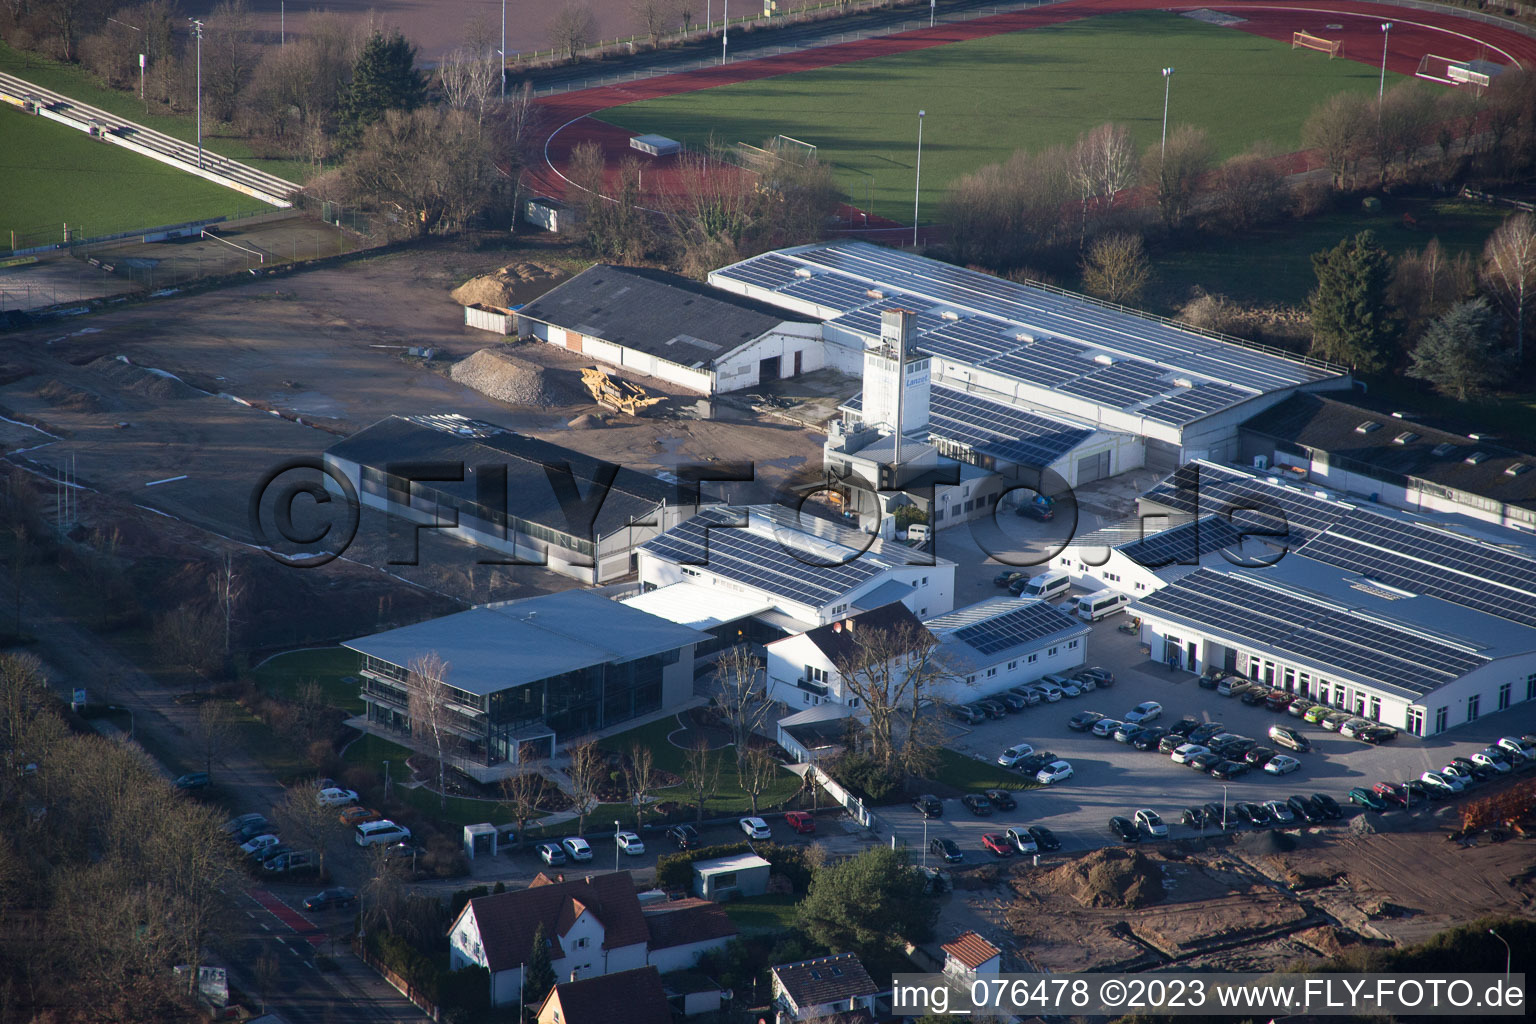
<point x="1421" y="622"/>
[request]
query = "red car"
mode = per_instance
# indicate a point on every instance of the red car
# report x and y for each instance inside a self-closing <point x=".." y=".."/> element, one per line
<point x="800" y="821"/>
<point x="998" y="844"/>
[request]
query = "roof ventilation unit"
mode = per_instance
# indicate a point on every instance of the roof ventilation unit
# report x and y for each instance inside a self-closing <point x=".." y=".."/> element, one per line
<point x="1367" y="427"/>
<point x="1442" y="450"/>
<point x="1406" y="437"/>
<point x="949" y="314"/>
<point x="1476" y="458"/>
<point x="1104" y="359"/>
<point x="804" y="272"/>
<point x="1183" y="382"/>
<point x="874" y="293"/>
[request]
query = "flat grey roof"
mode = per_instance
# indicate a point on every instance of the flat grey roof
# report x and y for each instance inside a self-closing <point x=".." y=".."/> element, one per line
<point x="1108" y="355"/>
<point x="661" y="314"/>
<point x="513" y="643"/>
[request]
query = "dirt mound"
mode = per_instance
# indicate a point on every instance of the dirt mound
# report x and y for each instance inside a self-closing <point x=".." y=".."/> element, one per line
<point x="143" y="381"/>
<point x="1362" y="825"/>
<point x="517" y="381"/>
<point x="68" y="398"/>
<point x="1109" y="878"/>
<point x="586" y="421"/>
<point x="1266" y="842"/>
<point x="499" y="288"/>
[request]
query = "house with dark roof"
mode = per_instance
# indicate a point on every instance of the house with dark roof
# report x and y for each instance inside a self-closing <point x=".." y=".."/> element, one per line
<point x="804" y="670"/>
<point x="626" y="997"/>
<point x="818" y="988"/>
<point x="668" y="326"/>
<point x="595" y="926"/>
<point x="1394" y="458"/>
<point x="531" y="501"/>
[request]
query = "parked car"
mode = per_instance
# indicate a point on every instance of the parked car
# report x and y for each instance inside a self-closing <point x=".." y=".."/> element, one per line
<point x="1236" y="748"/>
<point x="1056" y="771"/>
<point x="1014" y="754"/>
<point x="1220" y="817"/>
<point x="289" y="860"/>
<point x="358" y="815"/>
<point x="1233" y="686"/>
<point x="967" y="714"/>
<point x="630" y="843"/>
<point x="1168" y="744"/>
<point x="234" y="825"/>
<point x="1106" y="726"/>
<point x="576" y="848"/>
<point x="977" y="805"/>
<point x="1034" y="762"/>
<point x="1085" y="682"/>
<point x="1202" y="734"/>
<point x="1392" y="793"/>
<point x="263" y="855"/>
<point x="929" y="806"/>
<point x="325" y="899"/>
<point x="1289" y="738"/>
<point x="1281" y="764"/>
<point x="1183" y="727"/>
<point x="1149" y="738"/>
<point x="1298" y="707"/>
<point x="1044" y="838"/>
<point x="1459" y="773"/>
<point x="193" y="780"/>
<point x="1128" y="732"/>
<point x="1260" y="756"/>
<point x="1255" y="695"/>
<point x="1205" y="762"/>
<point x="991" y="708"/>
<point x="1003" y="579"/>
<point x="1328" y="805"/>
<point x="1146" y="711"/>
<point x="1070" y="688"/>
<point x="334" y="796"/>
<point x="946" y="850"/>
<point x="259" y="843"/>
<point x="1314" y="714"/>
<point x="1498" y="762"/>
<point x="1511" y="745"/>
<point x="1012" y="701"/>
<point x="1194" y="817"/>
<point x="1333" y="719"/>
<point x="998" y="844"/>
<point x="1228" y="770"/>
<point x="1279" y="812"/>
<point x="802" y="822"/>
<point x="1084" y="720"/>
<point x="1103" y="676"/>
<point x="1365" y="798"/>
<point x="684" y="837"/>
<point x="1183" y="754"/>
<point x="1305" y="809"/>
<point x="1036" y="510"/>
<point x="1125" y="828"/>
<point x="1376" y="734"/>
<point x="1278" y="700"/>
<point x="1001" y="799"/>
<point x="1350" y="726"/>
<point x="1148" y="819"/>
<point x="551" y="854"/>
<point x="1209" y="677"/>
<point x="755" y="828"/>
<point x="251" y="831"/>
<point x="1415" y="790"/>
<point x="1022" y="841"/>
<point x="1031" y="695"/>
<point x="1254" y="814"/>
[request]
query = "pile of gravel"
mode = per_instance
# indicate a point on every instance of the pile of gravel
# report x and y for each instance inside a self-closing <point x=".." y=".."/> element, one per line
<point x="1362" y="825"/>
<point x="519" y="382"/>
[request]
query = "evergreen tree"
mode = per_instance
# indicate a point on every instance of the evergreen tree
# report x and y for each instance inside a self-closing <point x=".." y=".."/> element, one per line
<point x="538" y="972"/>
<point x="1460" y="352"/>
<point x="384" y="78"/>
<point x="1351" y="322"/>
<point x="869" y="905"/>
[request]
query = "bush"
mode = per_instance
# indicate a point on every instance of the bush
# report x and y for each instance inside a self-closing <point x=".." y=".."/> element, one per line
<point x="675" y="870"/>
<point x="461" y="899"/>
<point x="405" y="960"/>
<point x="464" y="994"/>
<point x="864" y="777"/>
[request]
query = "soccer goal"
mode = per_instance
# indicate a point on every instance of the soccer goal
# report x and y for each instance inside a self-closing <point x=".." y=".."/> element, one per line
<point x="1307" y="41"/>
<point x="1452" y="72"/>
<point x="788" y="144"/>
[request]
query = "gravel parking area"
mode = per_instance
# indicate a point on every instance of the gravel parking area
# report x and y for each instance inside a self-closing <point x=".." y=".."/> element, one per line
<point x="1114" y="778"/>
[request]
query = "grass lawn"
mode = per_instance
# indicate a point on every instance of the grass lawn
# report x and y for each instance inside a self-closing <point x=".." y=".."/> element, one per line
<point x="729" y="799"/>
<point x="985" y="98"/>
<point x="55" y="176"/>
<point x="973" y="775"/>
<point x="277" y="755"/>
<point x="768" y="913"/>
<point x="282" y="675"/>
<point x="77" y="83"/>
<point x="1273" y="264"/>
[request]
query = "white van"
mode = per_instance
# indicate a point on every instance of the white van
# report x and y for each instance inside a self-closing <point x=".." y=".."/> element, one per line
<point x="371" y="832"/>
<point x="1047" y="585"/>
<point x="1095" y="606"/>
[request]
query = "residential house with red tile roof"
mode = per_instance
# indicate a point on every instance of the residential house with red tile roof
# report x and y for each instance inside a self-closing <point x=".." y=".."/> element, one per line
<point x="628" y="997"/>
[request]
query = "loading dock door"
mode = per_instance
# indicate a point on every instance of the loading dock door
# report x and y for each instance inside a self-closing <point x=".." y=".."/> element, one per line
<point x="768" y="369"/>
<point x="1092" y="467"/>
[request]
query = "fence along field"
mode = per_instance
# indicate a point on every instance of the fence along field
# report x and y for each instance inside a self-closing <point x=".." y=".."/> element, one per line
<point x="987" y="97"/>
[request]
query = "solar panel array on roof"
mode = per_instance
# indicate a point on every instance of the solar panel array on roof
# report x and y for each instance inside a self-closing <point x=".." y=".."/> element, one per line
<point x="1033" y="622"/>
<point x="1460" y="570"/>
<point x="866" y="319"/>
<point x="1002" y="431"/>
<point x="759" y="561"/>
<point x="1190" y="404"/>
<point x="1200" y="488"/>
<point x="1313" y="631"/>
<point x="1072" y="322"/>
<point x="1184" y="544"/>
<point x="768" y="271"/>
<point x="831" y="290"/>
<point x="1122" y="384"/>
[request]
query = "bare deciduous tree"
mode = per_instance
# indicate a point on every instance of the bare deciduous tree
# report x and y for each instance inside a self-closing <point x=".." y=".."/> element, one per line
<point x="1249" y="190"/>
<point x="586" y="772"/>
<point x="701" y="774"/>
<point x="1341" y="128"/>
<point x="758" y="772"/>
<point x="427" y="705"/>
<point x="1509" y="272"/>
<point x="1103" y="165"/>
<point x="307" y="821"/>
<point x="890" y="670"/>
<point x="520" y="793"/>
<point x="1426" y="282"/>
<point x="1116" y="267"/>
<point x="230" y="56"/>
<point x="469" y="80"/>
<point x="738" y="698"/>
<point x="189" y="637"/>
<point x="642" y="763"/>
<point x="213" y="729"/>
<point x="1175" y="173"/>
<point x="227" y="587"/>
<point x="572" y="29"/>
<point x="655" y="17"/>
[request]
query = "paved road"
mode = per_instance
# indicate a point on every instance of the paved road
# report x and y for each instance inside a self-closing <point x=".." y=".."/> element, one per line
<point x="1113" y="778"/>
<point x="171" y="150"/>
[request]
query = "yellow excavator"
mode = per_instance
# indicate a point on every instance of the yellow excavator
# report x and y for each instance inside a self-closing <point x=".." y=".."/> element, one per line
<point x="618" y="395"/>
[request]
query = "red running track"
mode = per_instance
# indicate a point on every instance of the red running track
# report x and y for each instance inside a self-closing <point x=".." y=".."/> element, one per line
<point x="1414" y="34"/>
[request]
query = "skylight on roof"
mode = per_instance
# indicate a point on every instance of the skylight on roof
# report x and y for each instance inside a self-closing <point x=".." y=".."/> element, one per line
<point x="1517" y="469"/>
<point x="1443" y="450"/>
<point x="1367" y="427"/>
<point x="1476" y="457"/>
<point x="1406" y="437"/>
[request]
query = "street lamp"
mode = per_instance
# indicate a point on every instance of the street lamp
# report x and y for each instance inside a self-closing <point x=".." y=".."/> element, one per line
<point x="1167" y="84"/>
<point x="918" y="187"/>
<point x="503" y="51"/>
<point x="725" y="29"/>
<point x="615" y="845"/>
<point x="1223" y="808"/>
<point x="1506" y="950"/>
<point x="925" y="840"/>
<point x="141" y="56"/>
<point x="1381" y="89"/>
<point x="198" y="29"/>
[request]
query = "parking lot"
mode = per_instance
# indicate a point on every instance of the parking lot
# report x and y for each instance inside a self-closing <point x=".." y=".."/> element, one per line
<point x="1113" y="778"/>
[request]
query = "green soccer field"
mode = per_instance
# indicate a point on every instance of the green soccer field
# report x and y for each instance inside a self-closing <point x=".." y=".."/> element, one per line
<point x="987" y="97"/>
<point x="55" y="175"/>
